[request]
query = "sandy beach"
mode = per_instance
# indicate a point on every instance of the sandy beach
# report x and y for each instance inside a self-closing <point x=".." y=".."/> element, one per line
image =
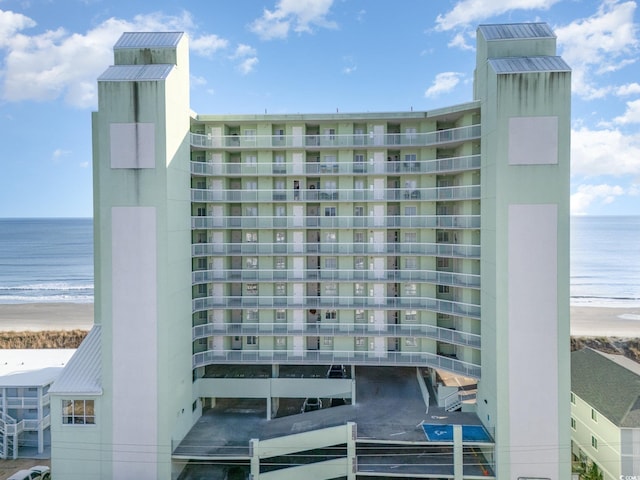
<point x="45" y="316"/>
<point x="585" y="321"/>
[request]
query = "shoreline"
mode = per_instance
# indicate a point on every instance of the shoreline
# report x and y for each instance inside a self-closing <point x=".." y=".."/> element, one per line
<point x="586" y="321"/>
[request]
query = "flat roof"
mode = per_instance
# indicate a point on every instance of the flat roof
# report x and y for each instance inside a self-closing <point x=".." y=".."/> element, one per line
<point x="32" y="367"/>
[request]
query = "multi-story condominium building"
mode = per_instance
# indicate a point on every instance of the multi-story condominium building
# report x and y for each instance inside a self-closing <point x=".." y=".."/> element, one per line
<point x="605" y="413"/>
<point x="239" y="257"/>
<point x="25" y="415"/>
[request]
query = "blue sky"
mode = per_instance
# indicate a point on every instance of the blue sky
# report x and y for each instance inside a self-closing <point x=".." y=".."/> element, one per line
<point x="307" y="56"/>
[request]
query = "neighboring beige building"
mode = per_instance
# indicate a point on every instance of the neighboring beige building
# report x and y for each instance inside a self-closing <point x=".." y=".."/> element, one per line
<point x="605" y="412"/>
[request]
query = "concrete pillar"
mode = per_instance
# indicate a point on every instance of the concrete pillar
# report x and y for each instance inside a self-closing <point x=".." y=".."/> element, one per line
<point x="458" y="459"/>
<point x="255" y="458"/>
<point x="351" y="451"/>
<point x="40" y="429"/>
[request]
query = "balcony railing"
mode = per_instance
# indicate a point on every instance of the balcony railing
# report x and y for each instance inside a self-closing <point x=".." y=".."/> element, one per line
<point x="442" y="165"/>
<point x="326" y="329"/>
<point x="335" y="302"/>
<point x="467" y="192"/>
<point x="342" y="221"/>
<point x="328" y="248"/>
<point x="375" y="140"/>
<point x="465" y="280"/>
<point x="329" y="357"/>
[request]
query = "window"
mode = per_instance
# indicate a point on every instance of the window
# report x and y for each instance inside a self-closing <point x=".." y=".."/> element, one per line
<point x="251" y="237"/>
<point x="330" y="237"/>
<point x="358" y="184"/>
<point x="281" y="342"/>
<point x="330" y="132"/>
<point x="573" y="423"/>
<point x="278" y="185"/>
<point x="251" y="315"/>
<point x="594" y="415"/>
<point x="251" y="289"/>
<point x="359" y="315"/>
<point x="330" y="289"/>
<point x="358" y="263"/>
<point x="411" y="263"/>
<point x="594" y="442"/>
<point x="331" y="263"/>
<point x="251" y="211"/>
<point x="442" y="237"/>
<point x="443" y="288"/>
<point x="327" y="341"/>
<point x="250" y="134"/>
<point x="573" y="398"/>
<point x="202" y="289"/>
<point x="442" y="262"/>
<point x="201" y="212"/>
<point x="410" y="289"/>
<point x="411" y="342"/>
<point x="194" y="406"/>
<point x="78" y="412"/>
<point x="280" y="211"/>
<point x="330" y="184"/>
<point x="358" y="289"/>
<point x="411" y="316"/>
<point x="410" y="211"/>
<point x="360" y="341"/>
<point x="252" y="340"/>
<point x="281" y="316"/>
<point x="201" y="264"/>
<point x="410" y="158"/>
<point x="251" y="185"/>
<point x="281" y="237"/>
<point x="281" y="289"/>
<point x="330" y="315"/>
<point x="358" y="211"/>
<point x="251" y="263"/>
<point x="280" y="263"/>
<point x="410" y="237"/>
<point x="359" y="237"/>
<point x="329" y="211"/>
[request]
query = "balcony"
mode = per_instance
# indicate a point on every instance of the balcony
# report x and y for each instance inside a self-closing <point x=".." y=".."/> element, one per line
<point x="343" y="221"/>
<point x="463" y="280"/>
<point x="443" y="165"/>
<point x="330" y="357"/>
<point x="326" y="248"/>
<point x="326" y="329"/>
<point x="332" y="302"/>
<point x="376" y="140"/>
<point x="466" y="192"/>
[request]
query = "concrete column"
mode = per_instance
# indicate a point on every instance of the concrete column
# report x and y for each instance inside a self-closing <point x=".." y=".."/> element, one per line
<point x="40" y="429"/>
<point x="458" y="460"/>
<point x="255" y="458"/>
<point x="351" y="451"/>
<point x="268" y="399"/>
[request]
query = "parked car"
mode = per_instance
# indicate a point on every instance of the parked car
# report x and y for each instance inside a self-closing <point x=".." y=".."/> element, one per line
<point x="311" y="404"/>
<point x="337" y="371"/>
<point x="39" y="472"/>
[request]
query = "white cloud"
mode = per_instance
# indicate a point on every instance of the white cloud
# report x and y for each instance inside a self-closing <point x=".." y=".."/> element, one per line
<point x="604" y="152"/>
<point x="460" y="42"/>
<point x="247" y="65"/>
<point x="631" y="115"/>
<point x="207" y="45"/>
<point x="586" y="195"/>
<point x="443" y="83"/>
<point x="58" y="153"/>
<point x="59" y="64"/>
<point x="601" y="43"/>
<point x="470" y="12"/>
<point x="299" y="15"/>
<point x="628" y="89"/>
<point x="243" y="50"/>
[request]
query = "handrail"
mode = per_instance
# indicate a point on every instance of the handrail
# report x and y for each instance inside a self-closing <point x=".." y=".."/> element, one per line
<point x="455" y="279"/>
<point x="324" y="328"/>
<point x="379" y="140"/>
<point x="336" y="248"/>
<point x="323" y="194"/>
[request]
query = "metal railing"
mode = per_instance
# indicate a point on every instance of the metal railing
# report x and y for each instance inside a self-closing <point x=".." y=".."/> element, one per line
<point x="376" y="140"/>
<point x="466" y="192"/>
<point x="464" y="280"/>
<point x="337" y="329"/>
<point x="343" y="221"/>
<point x="329" y="357"/>
<point x="337" y="248"/>
<point x="337" y="303"/>
<point x="440" y="165"/>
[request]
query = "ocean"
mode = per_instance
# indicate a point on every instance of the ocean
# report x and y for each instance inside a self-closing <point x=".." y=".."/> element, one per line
<point x="51" y="260"/>
<point x="46" y="260"/>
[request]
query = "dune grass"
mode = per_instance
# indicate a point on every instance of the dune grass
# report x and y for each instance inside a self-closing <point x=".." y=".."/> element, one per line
<point x="42" y="339"/>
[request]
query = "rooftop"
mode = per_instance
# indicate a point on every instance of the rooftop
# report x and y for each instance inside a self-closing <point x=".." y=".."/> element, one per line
<point x="83" y="374"/>
<point x="32" y="367"/>
<point x="130" y="73"/>
<point x="594" y="375"/>
<point x="148" y="40"/>
<point x="508" y="31"/>
<point x="529" y="64"/>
